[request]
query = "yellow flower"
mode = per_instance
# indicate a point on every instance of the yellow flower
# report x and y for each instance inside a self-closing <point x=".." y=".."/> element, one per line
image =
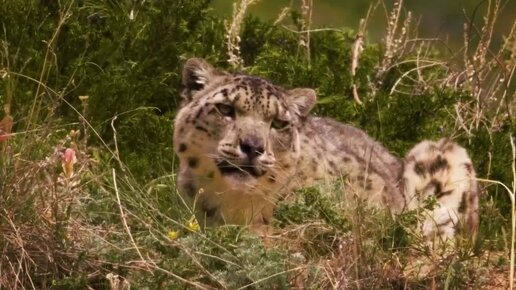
<point x="84" y="98"/>
<point x="173" y="235"/>
<point x="193" y="225"/>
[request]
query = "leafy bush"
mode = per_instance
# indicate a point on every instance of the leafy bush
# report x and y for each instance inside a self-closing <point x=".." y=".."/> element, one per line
<point x="102" y="79"/>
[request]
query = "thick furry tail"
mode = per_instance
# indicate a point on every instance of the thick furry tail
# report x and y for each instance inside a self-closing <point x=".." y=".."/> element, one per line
<point x="442" y="170"/>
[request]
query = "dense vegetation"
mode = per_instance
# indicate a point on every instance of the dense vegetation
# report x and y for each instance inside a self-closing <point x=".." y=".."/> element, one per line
<point x="100" y="79"/>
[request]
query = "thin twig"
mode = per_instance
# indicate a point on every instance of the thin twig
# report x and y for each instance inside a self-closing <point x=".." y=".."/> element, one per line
<point x="271" y="276"/>
<point x="122" y="216"/>
<point x="116" y="152"/>
<point x="513" y="214"/>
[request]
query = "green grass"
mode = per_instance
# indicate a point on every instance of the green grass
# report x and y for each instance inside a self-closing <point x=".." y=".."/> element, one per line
<point x="119" y="218"/>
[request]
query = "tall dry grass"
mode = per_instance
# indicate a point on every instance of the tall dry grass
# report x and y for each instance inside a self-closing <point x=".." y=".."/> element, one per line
<point x="49" y="195"/>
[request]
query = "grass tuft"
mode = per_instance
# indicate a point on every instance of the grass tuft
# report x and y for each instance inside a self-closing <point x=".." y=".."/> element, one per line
<point x="88" y="196"/>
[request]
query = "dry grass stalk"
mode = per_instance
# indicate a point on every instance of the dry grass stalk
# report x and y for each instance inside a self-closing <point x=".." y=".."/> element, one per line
<point x="403" y="46"/>
<point x="395" y="39"/>
<point x="9" y="81"/>
<point x="306" y="24"/>
<point x="85" y="125"/>
<point x="41" y="248"/>
<point x="488" y="74"/>
<point x="117" y="283"/>
<point x="512" y="195"/>
<point x="233" y="32"/>
<point x="124" y="221"/>
<point x="357" y="48"/>
<point x="50" y="57"/>
<point x="284" y="12"/>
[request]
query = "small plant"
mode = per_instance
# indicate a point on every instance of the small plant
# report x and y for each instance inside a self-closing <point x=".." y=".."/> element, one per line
<point x="88" y="90"/>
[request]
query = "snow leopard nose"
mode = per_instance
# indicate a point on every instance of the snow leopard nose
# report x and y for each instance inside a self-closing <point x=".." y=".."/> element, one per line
<point x="252" y="146"/>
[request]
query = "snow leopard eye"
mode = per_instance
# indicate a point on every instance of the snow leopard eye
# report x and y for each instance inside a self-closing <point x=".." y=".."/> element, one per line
<point x="226" y="110"/>
<point x="279" y="124"/>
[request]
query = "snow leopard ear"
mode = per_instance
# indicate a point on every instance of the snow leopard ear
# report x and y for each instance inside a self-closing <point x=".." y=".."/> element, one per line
<point x="197" y="74"/>
<point x="303" y="100"/>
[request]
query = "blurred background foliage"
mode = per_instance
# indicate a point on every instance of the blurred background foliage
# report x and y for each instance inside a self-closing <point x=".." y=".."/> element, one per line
<point x="116" y="65"/>
<point x="436" y="19"/>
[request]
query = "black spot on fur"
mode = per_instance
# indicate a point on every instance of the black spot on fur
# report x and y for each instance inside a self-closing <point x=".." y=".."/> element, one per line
<point x="420" y="168"/>
<point x="190" y="189"/>
<point x="384" y="199"/>
<point x="237" y="97"/>
<point x="332" y="165"/>
<point x="447" y="146"/>
<point x="200" y="128"/>
<point x="314" y="164"/>
<point x="210" y="210"/>
<point x="473" y="198"/>
<point x="469" y="167"/>
<point x="193" y="162"/>
<point x="439" y="164"/>
<point x="198" y="115"/>
<point x="368" y="184"/>
<point x="437" y="185"/>
<point x="438" y="189"/>
<point x="182" y="147"/>
<point x="463" y="206"/>
<point x="346" y="159"/>
<point x="443" y="193"/>
<point x="210" y="174"/>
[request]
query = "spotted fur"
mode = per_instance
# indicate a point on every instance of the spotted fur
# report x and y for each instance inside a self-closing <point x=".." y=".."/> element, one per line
<point x="444" y="171"/>
<point x="243" y="143"/>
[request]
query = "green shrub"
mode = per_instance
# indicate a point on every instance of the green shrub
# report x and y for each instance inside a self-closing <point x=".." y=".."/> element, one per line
<point x="122" y="214"/>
